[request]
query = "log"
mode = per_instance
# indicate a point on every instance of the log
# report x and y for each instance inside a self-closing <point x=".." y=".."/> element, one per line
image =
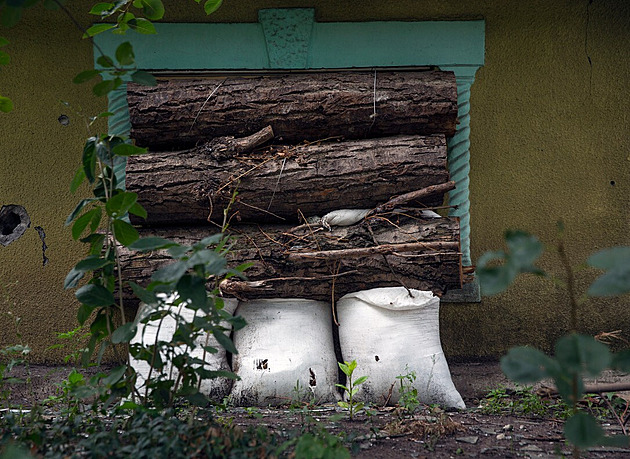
<point x="311" y="262"/>
<point x="193" y="186"/>
<point x="308" y="106"/>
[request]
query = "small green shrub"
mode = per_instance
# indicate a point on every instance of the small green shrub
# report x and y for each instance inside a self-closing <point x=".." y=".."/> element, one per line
<point x="351" y="389"/>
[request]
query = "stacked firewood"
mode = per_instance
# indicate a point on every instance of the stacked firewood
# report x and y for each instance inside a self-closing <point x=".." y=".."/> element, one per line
<point x="277" y="157"/>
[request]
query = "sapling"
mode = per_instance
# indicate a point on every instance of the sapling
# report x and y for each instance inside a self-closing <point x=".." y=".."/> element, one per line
<point x="351" y="389"/>
<point x="576" y="354"/>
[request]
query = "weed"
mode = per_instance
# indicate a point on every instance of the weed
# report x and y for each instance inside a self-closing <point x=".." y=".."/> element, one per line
<point x="351" y="405"/>
<point x="408" y="399"/>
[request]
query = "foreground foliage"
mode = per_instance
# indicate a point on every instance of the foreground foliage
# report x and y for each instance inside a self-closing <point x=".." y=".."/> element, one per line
<point x="576" y="355"/>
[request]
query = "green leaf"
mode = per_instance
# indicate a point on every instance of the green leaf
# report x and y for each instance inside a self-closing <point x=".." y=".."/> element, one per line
<point x="77" y="180"/>
<point x="495" y="279"/>
<point x="153" y="9"/>
<point x="10" y="15"/>
<point x="621" y="361"/>
<point x="125" y="233"/>
<point x="209" y="240"/>
<point x="114" y="375"/>
<point x="525" y="365"/>
<point x="224" y="341"/>
<point x="92" y="217"/>
<point x="97" y="28"/>
<point x="579" y="353"/>
<point x="102" y="9"/>
<point x="119" y="204"/>
<point x="138" y="210"/>
<point x="212" y="262"/>
<point x="124" y="333"/>
<point x="124" y="54"/>
<point x="78" y="209"/>
<point x="89" y="159"/>
<point x="127" y="149"/>
<point x="344" y="368"/>
<point x="105" y="61"/>
<point x="148" y="244"/>
<point x="143" y="294"/>
<point x="6" y="104"/>
<point x="103" y="88"/>
<point x="610" y="258"/>
<point x="91" y="263"/>
<point x="178" y="251"/>
<point x="4" y="58"/>
<point x="360" y="380"/>
<point x="615" y="282"/>
<point x="143" y="26"/>
<point x="86" y="75"/>
<point x="170" y="273"/>
<point x="72" y="278"/>
<point x="143" y="78"/>
<point x="193" y="288"/>
<point x="95" y="295"/>
<point x="211" y="6"/>
<point x="3" y="41"/>
<point x="523" y="246"/>
<point x="83" y="313"/>
<point x="583" y="431"/>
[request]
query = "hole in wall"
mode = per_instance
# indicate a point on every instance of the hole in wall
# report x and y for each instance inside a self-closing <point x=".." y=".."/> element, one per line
<point x="613" y="183"/>
<point x="14" y="221"/>
<point x="312" y="381"/>
<point x="9" y="223"/>
<point x="63" y="120"/>
<point x="262" y="364"/>
<point x="376" y="357"/>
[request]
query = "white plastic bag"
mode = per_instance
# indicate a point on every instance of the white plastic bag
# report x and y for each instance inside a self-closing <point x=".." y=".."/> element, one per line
<point x="285" y="353"/>
<point x="215" y="389"/>
<point x="390" y="333"/>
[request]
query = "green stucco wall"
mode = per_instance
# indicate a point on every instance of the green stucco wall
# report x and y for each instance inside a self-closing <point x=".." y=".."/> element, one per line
<point x="549" y="137"/>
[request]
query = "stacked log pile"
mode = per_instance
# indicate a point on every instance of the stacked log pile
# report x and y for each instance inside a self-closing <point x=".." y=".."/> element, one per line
<point x="338" y="141"/>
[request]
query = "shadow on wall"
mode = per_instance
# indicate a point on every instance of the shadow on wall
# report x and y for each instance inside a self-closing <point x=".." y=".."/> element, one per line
<point x="14" y="221"/>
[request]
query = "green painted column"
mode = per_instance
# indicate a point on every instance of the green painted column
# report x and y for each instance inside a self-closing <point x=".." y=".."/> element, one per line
<point x="459" y="159"/>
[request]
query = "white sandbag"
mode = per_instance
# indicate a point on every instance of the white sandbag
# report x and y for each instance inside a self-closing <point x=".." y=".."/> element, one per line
<point x="284" y="341"/>
<point x="215" y="389"/>
<point x="389" y="334"/>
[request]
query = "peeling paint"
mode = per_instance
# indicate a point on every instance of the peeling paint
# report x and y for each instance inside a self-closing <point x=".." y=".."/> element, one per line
<point x="42" y="236"/>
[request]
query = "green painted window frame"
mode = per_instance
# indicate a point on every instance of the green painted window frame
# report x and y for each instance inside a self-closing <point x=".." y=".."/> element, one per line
<point x="291" y="39"/>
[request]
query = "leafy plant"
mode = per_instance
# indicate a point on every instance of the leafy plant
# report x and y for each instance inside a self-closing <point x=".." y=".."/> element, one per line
<point x="351" y="389"/>
<point x="576" y="355"/>
<point x="408" y="399"/>
<point x="521" y="401"/>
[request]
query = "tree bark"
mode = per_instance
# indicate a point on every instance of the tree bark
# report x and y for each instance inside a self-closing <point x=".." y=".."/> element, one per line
<point x="385" y="250"/>
<point x="192" y="186"/>
<point x="177" y="114"/>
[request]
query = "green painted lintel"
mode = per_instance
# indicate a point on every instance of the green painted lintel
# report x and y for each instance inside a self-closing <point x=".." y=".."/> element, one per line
<point x="194" y="46"/>
<point x="457" y="44"/>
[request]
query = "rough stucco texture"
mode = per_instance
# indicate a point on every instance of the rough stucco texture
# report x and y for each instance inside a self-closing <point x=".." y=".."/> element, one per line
<point x="549" y="141"/>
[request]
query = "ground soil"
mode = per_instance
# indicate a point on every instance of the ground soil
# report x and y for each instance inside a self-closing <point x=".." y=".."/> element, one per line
<point x="388" y="434"/>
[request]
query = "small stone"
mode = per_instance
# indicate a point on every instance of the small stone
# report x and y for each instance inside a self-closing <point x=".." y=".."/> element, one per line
<point x="532" y="448"/>
<point x="488" y="431"/>
<point x="470" y="440"/>
<point x="502" y="436"/>
<point x="508" y="428"/>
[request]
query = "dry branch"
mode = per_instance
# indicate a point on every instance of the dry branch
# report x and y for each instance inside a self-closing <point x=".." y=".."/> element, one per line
<point x="303" y="263"/>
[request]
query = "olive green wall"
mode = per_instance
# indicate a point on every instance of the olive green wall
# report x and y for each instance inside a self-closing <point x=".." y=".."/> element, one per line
<point x="549" y="138"/>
